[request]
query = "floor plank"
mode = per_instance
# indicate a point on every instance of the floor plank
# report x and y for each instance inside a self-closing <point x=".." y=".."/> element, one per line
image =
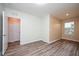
<point x="40" y="48"/>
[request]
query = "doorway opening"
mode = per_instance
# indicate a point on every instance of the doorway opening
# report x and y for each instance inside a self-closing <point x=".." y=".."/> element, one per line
<point x="13" y="32"/>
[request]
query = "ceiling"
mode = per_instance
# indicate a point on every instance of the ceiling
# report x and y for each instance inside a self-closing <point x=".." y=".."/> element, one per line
<point x="58" y="10"/>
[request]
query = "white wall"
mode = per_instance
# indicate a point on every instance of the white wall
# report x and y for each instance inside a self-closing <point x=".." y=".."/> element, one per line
<point x="32" y="28"/>
<point x="45" y="28"/>
<point x="50" y="29"/>
<point x="30" y="25"/>
<point x="55" y="29"/>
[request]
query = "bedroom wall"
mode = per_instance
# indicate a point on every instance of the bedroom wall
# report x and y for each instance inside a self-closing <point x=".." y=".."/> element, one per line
<point x="35" y="28"/>
<point x="44" y="28"/>
<point x="30" y="29"/>
<point x="30" y="25"/>
<point x="51" y="30"/>
<point x="75" y="36"/>
<point x="55" y="29"/>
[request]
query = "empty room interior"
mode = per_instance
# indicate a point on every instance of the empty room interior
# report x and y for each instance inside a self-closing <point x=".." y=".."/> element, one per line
<point x="40" y="29"/>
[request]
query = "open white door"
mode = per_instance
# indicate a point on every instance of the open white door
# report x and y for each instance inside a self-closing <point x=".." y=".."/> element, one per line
<point x="5" y="33"/>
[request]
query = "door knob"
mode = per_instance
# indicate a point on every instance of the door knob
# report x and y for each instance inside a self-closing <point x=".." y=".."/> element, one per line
<point x="4" y="35"/>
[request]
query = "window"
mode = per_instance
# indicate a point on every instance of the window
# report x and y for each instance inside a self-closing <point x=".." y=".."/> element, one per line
<point x="69" y="28"/>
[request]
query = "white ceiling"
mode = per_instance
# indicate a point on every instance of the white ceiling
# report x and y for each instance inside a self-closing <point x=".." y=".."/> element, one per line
<point x="58" y="10"/>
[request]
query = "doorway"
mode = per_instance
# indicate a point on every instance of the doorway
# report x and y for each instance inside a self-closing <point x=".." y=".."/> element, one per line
<point x="13" y="32"/>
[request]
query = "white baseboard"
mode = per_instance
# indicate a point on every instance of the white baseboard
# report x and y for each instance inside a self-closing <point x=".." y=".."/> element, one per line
<point x="53" y="41"/>
<point x="23" y="43"/>
<point x="49" y="41"/>
<point x="71" y="39"/>
<point x="45" y="40"/>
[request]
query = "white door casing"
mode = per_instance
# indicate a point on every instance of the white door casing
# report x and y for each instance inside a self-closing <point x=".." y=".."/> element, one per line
<point x="5" y="33"/>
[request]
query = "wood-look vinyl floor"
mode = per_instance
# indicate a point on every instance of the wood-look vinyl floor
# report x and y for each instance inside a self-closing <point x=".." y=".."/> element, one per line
<point x="40" y="48"/>
<point x="15" y="49"/>
<point x="12" y="45"/>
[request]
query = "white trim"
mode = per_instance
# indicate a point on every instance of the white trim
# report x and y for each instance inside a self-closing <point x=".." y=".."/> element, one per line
<point x="23" y="43"/>
<point x="53" y="41"/>
<point x="71" y="39"/>
<point x="45" y="40"/>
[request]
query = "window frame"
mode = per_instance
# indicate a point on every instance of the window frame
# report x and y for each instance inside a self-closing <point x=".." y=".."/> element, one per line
<point x="66" y="31"/>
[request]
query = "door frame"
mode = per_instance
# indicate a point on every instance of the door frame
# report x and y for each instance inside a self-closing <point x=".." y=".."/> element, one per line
<point x="19" y="25"/>
<point x="4" y="43"/>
